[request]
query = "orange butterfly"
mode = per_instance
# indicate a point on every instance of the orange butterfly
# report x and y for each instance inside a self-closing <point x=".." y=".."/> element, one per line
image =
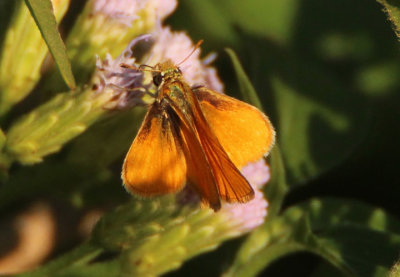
<point x="195" y="135"/>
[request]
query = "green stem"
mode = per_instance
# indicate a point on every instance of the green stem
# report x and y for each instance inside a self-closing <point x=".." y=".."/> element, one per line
<point x="81" y="255"/>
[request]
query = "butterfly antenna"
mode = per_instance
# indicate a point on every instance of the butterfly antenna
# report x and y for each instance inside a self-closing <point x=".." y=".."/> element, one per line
<point x="140" y="68"/>
<point x="191" y="53"/>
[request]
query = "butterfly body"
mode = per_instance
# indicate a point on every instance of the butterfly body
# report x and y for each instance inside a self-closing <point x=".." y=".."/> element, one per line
<point x="197" y="136"/>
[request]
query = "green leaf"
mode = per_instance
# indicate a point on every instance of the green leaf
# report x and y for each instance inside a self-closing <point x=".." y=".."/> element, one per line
<point x="340" y="231"/>
<point x="48" y="127"/>
<point x="246" y="88"/>
<point x="317" y="124"/>
<point x="277" y="187"/>
<point x="353" y="230"/>
<point x="42" y="12"/>
<point x="279" y="237"/>
<point x="367" y="252"/>
<point x="392" y="9"/>
<point x="329" y="212"/>
<point x="23" y="52"/>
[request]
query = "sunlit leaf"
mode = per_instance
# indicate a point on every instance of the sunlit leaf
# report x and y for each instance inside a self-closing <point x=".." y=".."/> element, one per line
<point x="42" y="12"/>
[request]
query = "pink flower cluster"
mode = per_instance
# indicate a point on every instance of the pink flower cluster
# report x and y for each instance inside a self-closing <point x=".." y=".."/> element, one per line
<point x="126" y="11"/>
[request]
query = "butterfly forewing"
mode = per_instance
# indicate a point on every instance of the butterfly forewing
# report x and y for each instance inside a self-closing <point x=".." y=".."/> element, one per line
<point x="155" y="163"/>
<point x="244" y="132"/>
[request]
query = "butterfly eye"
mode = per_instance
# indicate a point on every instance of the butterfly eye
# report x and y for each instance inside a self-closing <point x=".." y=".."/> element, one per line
<point x="157" y="79"/>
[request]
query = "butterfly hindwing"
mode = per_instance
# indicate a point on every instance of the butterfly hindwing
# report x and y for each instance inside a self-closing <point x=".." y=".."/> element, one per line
<point x="232" y="185"/>
<point x="199" y="171"/>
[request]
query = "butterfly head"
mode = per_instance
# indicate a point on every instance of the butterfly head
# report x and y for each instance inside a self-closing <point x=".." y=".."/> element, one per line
<point x="166" y="71"/>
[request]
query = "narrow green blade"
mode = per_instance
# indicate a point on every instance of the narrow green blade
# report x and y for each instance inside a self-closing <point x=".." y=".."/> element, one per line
<point x="42" y="12"/>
